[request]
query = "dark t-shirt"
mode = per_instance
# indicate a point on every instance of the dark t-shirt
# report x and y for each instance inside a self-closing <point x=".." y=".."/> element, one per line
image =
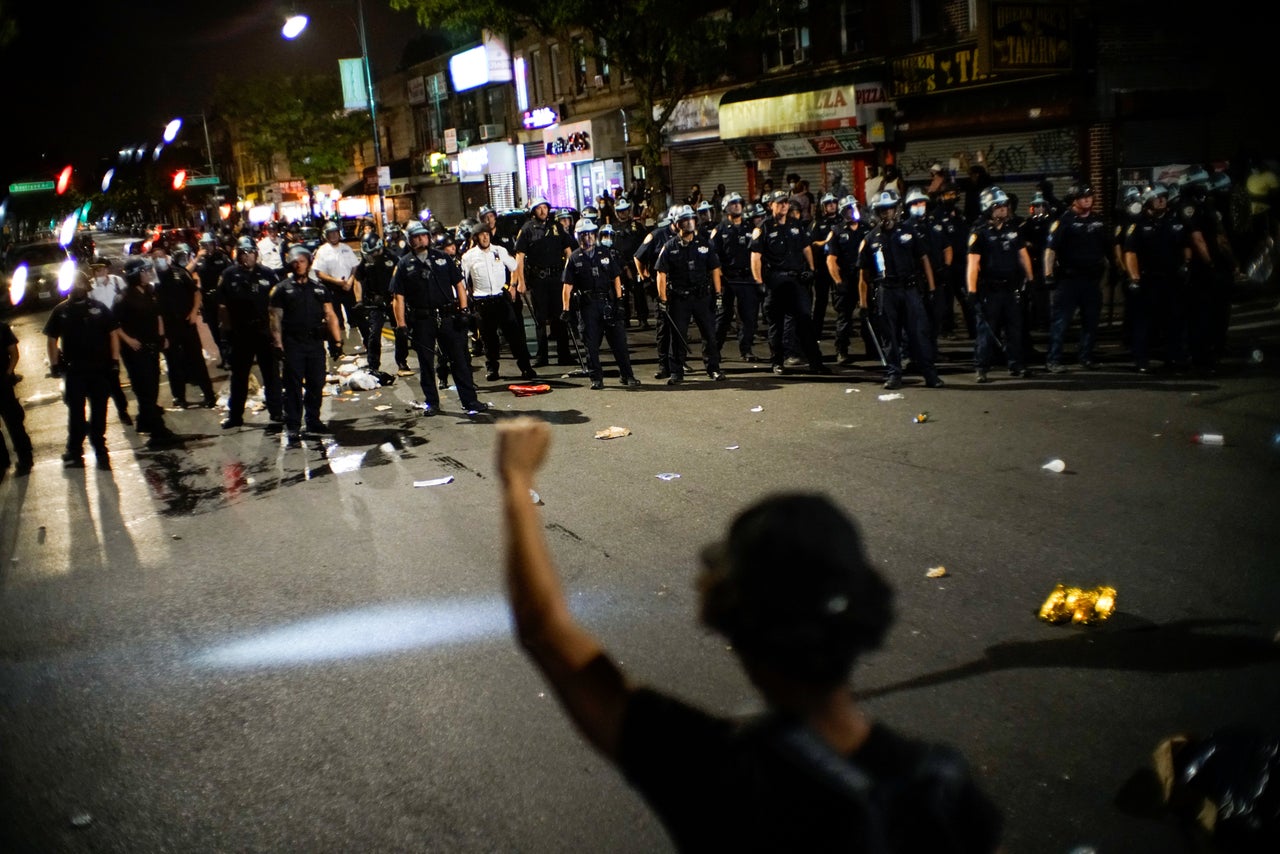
<point x="84" y="327"/>
<point x="718" y="786"/>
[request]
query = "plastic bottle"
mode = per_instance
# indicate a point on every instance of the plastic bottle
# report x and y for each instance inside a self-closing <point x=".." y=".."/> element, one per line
<point x="1208" y="439"/>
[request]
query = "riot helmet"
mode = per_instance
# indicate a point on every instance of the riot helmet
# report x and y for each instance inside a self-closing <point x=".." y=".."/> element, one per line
<point x="585" y="232"/>
<point x="606" y="235"/>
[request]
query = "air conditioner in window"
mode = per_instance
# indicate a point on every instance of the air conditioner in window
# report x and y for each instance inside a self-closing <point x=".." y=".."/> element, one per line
<point x="488" y="132"/>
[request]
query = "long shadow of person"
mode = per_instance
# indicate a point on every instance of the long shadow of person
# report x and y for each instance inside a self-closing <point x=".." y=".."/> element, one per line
<point x="1125" y="643"/>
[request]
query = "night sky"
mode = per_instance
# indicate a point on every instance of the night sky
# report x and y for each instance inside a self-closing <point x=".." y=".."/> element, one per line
<point x="83" y="80"/>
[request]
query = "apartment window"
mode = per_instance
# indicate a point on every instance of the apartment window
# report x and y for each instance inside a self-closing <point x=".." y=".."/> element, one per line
<point x="539" y="84"/>
<point x="787" y="42"/>
<point x="853" y="26"/>
<point x="926" y="19"/>
<point x="602" y="62"/>
<point x="579" y="66"/>
<point x="520" y="71"/>
<point x="557" y="71"/>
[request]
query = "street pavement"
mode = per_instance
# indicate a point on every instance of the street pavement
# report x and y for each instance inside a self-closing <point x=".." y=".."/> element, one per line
<point x="241" y="646"/>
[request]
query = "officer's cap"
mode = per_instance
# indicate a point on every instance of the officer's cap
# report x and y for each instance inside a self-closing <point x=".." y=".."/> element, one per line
<point x="685" y="212"/>
<point x="584" y="226"/>
<point x="704" y="205"/>
<point x="134" y="268"/>
<point x="732" y="198"/>
<point x="1132" y="194"/>
<point x="1078" y="191"/>
<point x="778" y="197"/>
<point x="296" y="252"/>
<point x="538" y="200"/>
<point x="371" y="244"/>
<point x="1196" y="176"/>
<point x="416" y="228"/>
<point x="915" y="194"/>
<point x="622" y="204"/>
<point x="606" y="229"/>
<point x="885" y="199"/>
<point x="590" y="212"/>
<point x="483" y="212"/>
<point x="790" y="586"/>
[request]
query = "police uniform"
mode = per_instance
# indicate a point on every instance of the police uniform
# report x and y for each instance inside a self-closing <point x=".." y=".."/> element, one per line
<point x="785" y="276"/>
<point x="593" y="275"/>
<point x="138" y="315"/>
<point x="374" y="275"/>
<point x="543" y="243"/>
<point x="11" y="411"/>
<point x="891" y="260"/>
<point x="844" y="246"/>
<point x="85" y="328"/>
<point x="1035" y="233"/>
<point x="690" y="293"/>
<point x="732" y="243"/>
<point x="184" y="359"/>
<point x="209" y="269"/>
<point x="1079" y="244"/>
<point x="1159" y="294"/>
<point x="999" y="249"/>
<point x="486" y="272"/>
<point x="1210" y="282"/>
<point x="428" y="286"/>
<point x="647" y="256"/>
<point x="304" y="332"/>
<point x="627" y="237"/>
<point x="936" y="233"/>
<point x="244" y="298"/>
<point x="953" y="285"/>
<point x="824" y="228"/>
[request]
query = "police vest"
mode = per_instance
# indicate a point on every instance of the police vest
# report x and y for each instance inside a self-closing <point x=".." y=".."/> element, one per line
<point x="592" y="272"/>
<point x="246" y="295"/>
<point x="85" y="328"/>
<point x="688" y="266"/>
<point x="374" y="276"/>
<point x="543" y="244"/>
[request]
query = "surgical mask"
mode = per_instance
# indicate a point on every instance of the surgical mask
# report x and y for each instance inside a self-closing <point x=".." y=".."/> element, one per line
<point x="917" y="211"/>
<point x="162" y="264"/>
<point x="606" y="241"/>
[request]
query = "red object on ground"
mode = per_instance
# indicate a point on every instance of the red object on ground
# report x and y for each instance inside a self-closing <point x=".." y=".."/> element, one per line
<point x="528" y="390"/>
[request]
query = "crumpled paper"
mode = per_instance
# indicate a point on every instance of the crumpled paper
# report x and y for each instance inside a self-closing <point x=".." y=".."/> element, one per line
<point x="613" y="433"/>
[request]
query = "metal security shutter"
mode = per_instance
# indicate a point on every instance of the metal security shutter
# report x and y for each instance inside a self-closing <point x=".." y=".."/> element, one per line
<point x="1017" y="161"/>
<point x="706" y="164"/>
<point x="445" y="202"/>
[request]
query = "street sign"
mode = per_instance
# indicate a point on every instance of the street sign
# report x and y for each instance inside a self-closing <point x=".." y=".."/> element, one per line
<point x="31" y="187"/>
<point x="203" y="181"/>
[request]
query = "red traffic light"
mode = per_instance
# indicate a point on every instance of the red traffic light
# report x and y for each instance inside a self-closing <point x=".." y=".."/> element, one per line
<point x="64" y="181"/>
<point x="179" y="179"/>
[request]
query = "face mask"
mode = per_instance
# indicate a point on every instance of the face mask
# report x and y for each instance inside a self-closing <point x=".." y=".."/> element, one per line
<point x="688" y="226"/>
<point x="917" y="211"/>
<point x="101" y="280"/>
<point x="162" y="264"/>
<point x="606" y="241"/>
<point x="1134" y="209"/>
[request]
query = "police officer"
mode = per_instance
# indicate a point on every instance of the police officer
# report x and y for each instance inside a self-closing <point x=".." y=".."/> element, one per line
<point x="334" y="266"/>
<point x="428" y="300"/>
<point x="688" y="282"/>
<point x="646" y="261"/>
<point x="244" y="302"/>
<point x="542" y="248"/>
<point x="826" y="223"/>
<point x="706" y="213"/>
<point x="841" y="253"/>
<point x="210" y="262"/>
<point x="302" y="320"/>
<point x="893" y="260"/>
<point x="782" y="261"/>
<point x="372" y="291"/>
<point x="395" y="245"/>
<point x="999" y="266"/>
<point x="11" y="411"/>
<point x="1212" y="270"/>
<point x="592" y="278"/>
<point x="1128" y="211"/>
<point x="1157" y="250"/>
<point x="628" y="234"/>
<point x="1035" y="233"/>
<point x="1075" y="258"/>
<point x="83" y="349"/>
<point x="732" y="243"/>
<point x="486" y="268"/>
<point x="141" y="331"/>
<point x="936" y="234"/>
<point x="179" y="298"/>
<point x="954" y="285"/>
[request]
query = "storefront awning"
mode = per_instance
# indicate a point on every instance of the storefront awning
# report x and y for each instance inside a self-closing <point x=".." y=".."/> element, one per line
<point x="804" y="105"/>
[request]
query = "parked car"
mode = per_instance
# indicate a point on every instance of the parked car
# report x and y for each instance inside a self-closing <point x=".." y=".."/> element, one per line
<point x="38" y="275"/>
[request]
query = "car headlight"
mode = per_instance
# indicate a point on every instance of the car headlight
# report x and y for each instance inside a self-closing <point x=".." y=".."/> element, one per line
<point x="18" y="285"/>
<point x="66" y="276"/>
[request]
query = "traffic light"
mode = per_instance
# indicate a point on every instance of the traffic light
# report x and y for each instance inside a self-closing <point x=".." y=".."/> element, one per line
<point x="64" y="180"/>
<point x="179" y="179"/>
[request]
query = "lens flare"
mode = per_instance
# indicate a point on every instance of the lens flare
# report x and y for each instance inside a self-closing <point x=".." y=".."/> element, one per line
<point x="66" y="276"/>
<point x="106" y="179"/>
<point x="171" y="130"/>
<point x="68" y="230"/>
<point x="294" y="26"/>
<point x="18" y="285"/>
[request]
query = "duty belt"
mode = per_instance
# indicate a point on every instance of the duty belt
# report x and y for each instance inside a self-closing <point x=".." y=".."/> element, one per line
<point x="996" y="284"/>
<point x="893" y="282"/>
<point x="489" y="297"/>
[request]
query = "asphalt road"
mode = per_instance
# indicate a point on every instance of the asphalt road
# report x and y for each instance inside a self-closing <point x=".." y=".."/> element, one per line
<point x="237" y="646"/>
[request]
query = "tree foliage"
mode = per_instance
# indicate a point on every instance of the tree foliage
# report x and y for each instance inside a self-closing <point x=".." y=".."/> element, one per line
<point x="300" y="116"/>
<point x="666" y="50"/>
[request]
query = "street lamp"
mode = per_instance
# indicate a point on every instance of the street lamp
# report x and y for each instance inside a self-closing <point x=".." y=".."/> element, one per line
<point x="171" y="133"/>
<point x="293" y="28"/>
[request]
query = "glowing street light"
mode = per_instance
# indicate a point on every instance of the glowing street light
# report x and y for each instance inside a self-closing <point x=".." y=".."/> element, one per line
<point x="106" y="179"/>
<point x="294" y="26"/>
<point x="171" y="130"/>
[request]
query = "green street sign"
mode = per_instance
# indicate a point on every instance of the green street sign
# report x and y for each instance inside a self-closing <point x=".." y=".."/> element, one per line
<point x="31" y="187"/>
<point x="203" y="181"/>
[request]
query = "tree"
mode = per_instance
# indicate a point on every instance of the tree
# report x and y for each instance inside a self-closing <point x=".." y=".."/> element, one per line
<point x="667" y="50"/>
<point x="298" y="116"/>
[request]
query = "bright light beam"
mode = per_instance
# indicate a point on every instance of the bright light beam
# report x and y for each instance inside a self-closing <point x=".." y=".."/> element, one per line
<point x="171" y="130"/>
<point x="364" y="633"/>
<point x="18" y="285"/>
<point x="68" y="229"/>
<point x="106" y="179"/>
<point x="66" y="276"/>
<point x="294" y="26"/>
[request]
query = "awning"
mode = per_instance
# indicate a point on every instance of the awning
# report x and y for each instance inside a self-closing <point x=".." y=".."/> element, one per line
<point x="804" y="105"/>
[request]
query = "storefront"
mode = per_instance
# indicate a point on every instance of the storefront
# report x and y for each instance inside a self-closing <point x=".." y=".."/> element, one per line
<point x="786" y="127"/>
<point x="578" y="162"/>
<point x="694" y="150"/>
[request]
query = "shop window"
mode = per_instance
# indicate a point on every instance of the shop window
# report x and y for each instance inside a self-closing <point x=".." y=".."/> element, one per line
<point x="495" y="105"/>
<point x="539" y="84"/>
<point x="787" y="42"/>
<point x="579" y="66"/>
<point x="853" y="26"/>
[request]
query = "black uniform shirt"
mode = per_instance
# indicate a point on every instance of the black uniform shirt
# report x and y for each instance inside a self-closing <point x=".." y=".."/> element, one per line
<point x="781" y="245"/>
<point x="176" y="293"/>
<point x="893" y="255"/>
<point x="374" y="275"/>
<point x="246" y="295"/>
<point x="820" y="235"/>
<point x="999" y="251"/>
<point x="592" y="271"/>
<point x="688" y="266"/>
<point x="627" y="237"/>
<point x="209" y="271"/>
<point x="652" y="245"/>
<point x="303" y="302"/>
<point x="85" y="327"/>
<point x="1080" y="244"/>
<point x="543" y="244"/>
<point x="1159" y="242"/>
<point x="732" y="243"/>
<point x="138" y="314"/>
<point x="936" y="233"/>
<point x="844" y="248"/>
<point x="1035" y="231"/>
<point x="427" y="283"/>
